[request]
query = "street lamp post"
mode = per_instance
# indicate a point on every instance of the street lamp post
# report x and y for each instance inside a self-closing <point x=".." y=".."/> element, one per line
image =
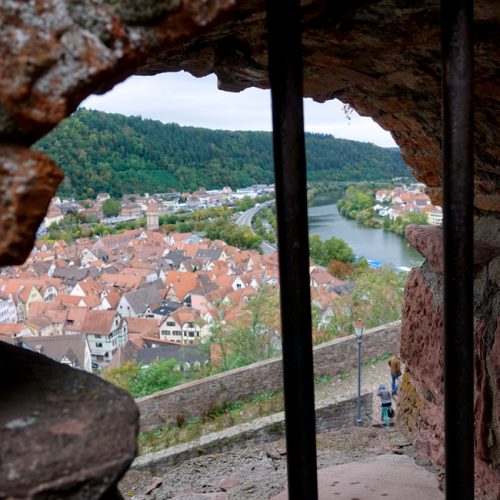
<point x="358" y="330"/>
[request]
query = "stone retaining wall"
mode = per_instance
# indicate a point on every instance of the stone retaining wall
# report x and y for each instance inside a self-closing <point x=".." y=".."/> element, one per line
<point x="200" y="397"/>
<point x="329" y="415"/>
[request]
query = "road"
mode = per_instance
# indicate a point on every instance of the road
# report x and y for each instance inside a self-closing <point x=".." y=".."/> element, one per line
<point x="245" y="219"/>
<point x="266" y="247"/>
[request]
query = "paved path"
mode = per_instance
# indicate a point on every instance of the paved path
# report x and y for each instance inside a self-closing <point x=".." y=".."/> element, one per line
<point x="385" y="476"/>
<point x="346" y="385"/>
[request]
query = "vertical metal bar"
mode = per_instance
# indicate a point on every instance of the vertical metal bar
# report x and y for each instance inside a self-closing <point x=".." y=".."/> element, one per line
<point x="358" y="400"/>
<point x="285" y="74"/>
<point x="458" y="181"/>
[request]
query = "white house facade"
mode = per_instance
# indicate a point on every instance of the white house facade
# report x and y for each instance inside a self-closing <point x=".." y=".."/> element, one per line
<point x="184" y="326"/>
<point x="106" y="331"/>
<point x="8" y="310"/>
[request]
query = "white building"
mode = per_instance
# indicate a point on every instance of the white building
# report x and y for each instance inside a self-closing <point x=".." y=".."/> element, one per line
<point x="435" y="218"/>
<point x="8" y="310"/>
<point x="184" y="326"/>
<point x="106" y="331"/>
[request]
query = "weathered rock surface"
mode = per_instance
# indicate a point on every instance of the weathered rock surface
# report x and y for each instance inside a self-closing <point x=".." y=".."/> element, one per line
<point x="421" y="398"/>
<point x="28" y="180"/>
<point x="259" y="471"/>
<point x="422" y="342"/>
<point x="55" y="53"/>
<point x="428" y="240"/>
<point x="378" y="477"/>
<point x="64" y="433"/>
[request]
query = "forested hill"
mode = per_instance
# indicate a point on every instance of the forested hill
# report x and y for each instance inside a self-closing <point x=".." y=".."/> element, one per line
<point x="101" y="152"/>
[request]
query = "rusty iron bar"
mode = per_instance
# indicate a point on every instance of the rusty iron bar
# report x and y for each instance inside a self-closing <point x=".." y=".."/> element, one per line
<point x="458" y="196"/>
<point x="285" y="75"/>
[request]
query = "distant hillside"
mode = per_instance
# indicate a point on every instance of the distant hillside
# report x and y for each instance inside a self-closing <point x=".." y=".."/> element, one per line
<point x="101" y="152"/>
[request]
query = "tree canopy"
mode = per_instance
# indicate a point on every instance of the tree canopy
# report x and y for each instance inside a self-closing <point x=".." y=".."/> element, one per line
<point x="112" y="153"/>
<point x="111" y="207"/>
<point x="322" y="252"/>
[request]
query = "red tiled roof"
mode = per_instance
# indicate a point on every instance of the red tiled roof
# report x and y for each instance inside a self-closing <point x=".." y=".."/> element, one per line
<point x="99" y="322"/>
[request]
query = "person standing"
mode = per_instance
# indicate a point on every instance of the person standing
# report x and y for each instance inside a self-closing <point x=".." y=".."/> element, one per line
<point x="395" y="365"/>
<point x="385" y="396"/>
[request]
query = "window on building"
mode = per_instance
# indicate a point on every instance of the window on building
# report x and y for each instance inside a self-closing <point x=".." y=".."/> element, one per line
<point x="170" y="323"/>
<point x="98" y="344"/>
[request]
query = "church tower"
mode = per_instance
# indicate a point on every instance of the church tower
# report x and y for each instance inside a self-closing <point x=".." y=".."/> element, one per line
<point x="152" y="218"/>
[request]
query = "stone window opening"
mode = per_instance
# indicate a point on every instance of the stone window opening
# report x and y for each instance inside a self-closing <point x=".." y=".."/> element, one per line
<point x="45" y="82"/>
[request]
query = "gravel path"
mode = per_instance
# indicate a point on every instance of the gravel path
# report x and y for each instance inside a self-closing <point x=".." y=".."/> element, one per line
<point x="259" y="472"/>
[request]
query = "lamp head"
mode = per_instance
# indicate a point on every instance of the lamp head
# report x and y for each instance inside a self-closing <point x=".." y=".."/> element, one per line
<point x="359" y="327"/>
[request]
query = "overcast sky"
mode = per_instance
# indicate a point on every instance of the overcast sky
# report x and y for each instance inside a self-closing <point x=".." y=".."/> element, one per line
<point x="181" y="98"/>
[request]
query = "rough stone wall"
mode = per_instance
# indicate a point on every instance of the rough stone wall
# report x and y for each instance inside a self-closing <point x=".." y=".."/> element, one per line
<point x="50" y="415"/>
<point x="422" y="398"/>
<point x="199" y="397"/>
<point x="53" y="54"/>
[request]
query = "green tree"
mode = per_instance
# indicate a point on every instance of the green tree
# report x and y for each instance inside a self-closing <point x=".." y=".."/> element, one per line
<point x="399" y="225"/>
<point x="337" y="249"/>
<point x="123" y="375"/>
<point x="245" y="203"/>
<point x="111" y="207"/>
<point x="253" y="335"/>
<point x="322" y="252"/>
<point x="159" y="375"/>
<point x="377" y="297"/>
<point x="112" y="153"/>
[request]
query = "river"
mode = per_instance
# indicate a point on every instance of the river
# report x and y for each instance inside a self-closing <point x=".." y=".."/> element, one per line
<point x="373" y="244"/>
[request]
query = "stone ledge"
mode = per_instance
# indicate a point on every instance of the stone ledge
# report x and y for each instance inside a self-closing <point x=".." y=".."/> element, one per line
<point x="64" y="433"/>
<point x="428" y="240"/>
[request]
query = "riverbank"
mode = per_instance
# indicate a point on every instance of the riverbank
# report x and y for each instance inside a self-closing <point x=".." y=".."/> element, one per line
<point x="372" y="243"/>
<point x="359" y="204"/>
